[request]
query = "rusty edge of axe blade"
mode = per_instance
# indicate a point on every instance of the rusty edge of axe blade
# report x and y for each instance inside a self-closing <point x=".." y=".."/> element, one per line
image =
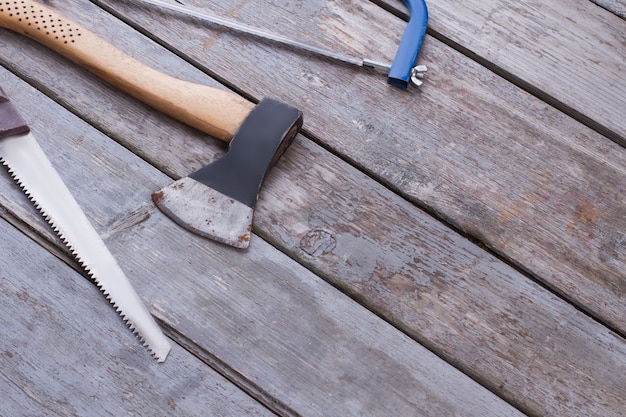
<point x="218" y="201"/>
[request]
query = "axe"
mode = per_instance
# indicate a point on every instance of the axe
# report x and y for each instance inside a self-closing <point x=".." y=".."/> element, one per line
<point x="218" y="200"/>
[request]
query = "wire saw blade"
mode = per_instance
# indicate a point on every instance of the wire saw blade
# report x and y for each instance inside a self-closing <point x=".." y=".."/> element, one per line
<point x="34" y="173"/>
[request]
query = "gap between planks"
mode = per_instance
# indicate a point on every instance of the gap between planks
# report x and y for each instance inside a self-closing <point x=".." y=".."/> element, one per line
<point x="518" y="80"/>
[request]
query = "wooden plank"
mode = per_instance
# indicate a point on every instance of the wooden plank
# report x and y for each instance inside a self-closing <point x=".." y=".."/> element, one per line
<point x="66" y="352"/>
<point x="295" y="342"/>
<point x="469" y="147"/>
<point x="481" y="315"/>
<point x="569" y="54"/>
<point x="614" y="6"/>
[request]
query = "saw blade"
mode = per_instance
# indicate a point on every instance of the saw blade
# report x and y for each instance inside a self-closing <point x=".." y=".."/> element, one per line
<point x="33" y="172"/>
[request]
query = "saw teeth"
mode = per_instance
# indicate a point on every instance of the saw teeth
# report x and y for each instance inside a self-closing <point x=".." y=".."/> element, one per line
<point x="82" y="264"/>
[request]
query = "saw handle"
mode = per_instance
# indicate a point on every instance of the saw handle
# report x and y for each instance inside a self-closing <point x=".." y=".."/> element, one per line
<point x="11" y="123"/>
<point x="213" y="111"/>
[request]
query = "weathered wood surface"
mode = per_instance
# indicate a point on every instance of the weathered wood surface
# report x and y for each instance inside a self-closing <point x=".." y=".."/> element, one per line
<point x="470" y="147"/>
<point x="615" y="6"/>
<point x="296" y="343"/>
<point x="571" y="54"/>
<point x="64" y="351"/>
<point x="490" y="321"/>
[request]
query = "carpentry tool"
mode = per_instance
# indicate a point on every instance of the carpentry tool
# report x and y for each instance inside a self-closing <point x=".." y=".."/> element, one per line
<point x="34" y="173"/>
<point x="402" y="69"/>
<point x="219" y="113"/>
<point x="232" y="183"/>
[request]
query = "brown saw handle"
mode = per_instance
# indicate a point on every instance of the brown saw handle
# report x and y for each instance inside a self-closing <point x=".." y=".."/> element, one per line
<point x="213" y="111"/>
<point x="11" y="122"/>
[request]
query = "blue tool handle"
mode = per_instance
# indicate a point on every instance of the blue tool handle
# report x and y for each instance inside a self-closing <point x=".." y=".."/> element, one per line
<point x="410" y="45"/>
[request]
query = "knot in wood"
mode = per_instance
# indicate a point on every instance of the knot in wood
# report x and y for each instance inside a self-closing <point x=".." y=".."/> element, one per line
<point x="318" y="242"/>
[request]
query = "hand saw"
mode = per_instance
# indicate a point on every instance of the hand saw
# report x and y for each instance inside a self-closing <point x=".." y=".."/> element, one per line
<point x="33" y="172"/>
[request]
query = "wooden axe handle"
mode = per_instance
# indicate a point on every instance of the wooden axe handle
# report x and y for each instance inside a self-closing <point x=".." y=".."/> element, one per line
<point x="213" y="111"/>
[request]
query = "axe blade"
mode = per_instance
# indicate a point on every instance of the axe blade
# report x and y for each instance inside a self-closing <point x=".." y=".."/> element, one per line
<point x="218" y="201"/>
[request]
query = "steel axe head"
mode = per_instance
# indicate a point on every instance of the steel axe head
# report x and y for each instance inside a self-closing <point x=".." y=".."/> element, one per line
<point x="218" y="201"/>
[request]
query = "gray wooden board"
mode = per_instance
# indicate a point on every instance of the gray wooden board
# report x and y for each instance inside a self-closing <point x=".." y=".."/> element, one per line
<point x="615" y="6"/>
<point x="537" y="187"/>
<point x="64" y="351"/>
<point x="307" y="223"/>
<point x="482" y="333"/>
<point x="297" y="338"/>
<point x="571" y="53"/>
<point x="274" y="326"/>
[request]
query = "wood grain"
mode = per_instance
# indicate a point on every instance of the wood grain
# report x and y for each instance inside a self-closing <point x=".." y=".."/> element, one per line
<point x="540" y="189"/>
<point x="275" y="327"/>
<point x="472" y="309"/>
<point x="65" y="351"/>
<point x="208" y="109"/>
<point x="615" y="6"/>
<point x="569" y="54"/>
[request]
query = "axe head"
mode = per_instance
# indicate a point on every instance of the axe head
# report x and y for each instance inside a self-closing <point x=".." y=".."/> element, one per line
<point x="218" y="201"/>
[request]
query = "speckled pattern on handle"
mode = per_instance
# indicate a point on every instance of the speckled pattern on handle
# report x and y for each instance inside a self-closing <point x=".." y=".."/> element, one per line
<point x="211" y="110"/>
